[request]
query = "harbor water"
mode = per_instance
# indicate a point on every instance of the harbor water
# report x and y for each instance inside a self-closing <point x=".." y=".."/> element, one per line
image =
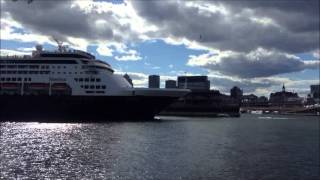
<point x="250" y="147"/>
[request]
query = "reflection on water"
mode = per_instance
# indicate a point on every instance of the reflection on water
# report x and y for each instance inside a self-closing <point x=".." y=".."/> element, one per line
<point x="250" y="147"/>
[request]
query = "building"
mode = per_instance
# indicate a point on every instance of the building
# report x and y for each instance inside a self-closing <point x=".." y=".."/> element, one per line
<point x="171" y="84"/>
<point x="236" y="93"/>
<point x="285" y="98"/>
<point x="194" y="83"/>
<point x="249" y="100"/>
<point x="127" y="77"/>
<point x="154" y="81"/>
<point x="315" y="91"/>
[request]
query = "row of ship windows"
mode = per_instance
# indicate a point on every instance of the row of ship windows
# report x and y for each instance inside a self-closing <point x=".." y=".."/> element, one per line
<point x="93" y="87"/>
<point x="36" y="72"/>
<point x="15" y="79"/>
<point x="24" y="72"/>
<point x="33" y="67"/>
<point x="87" y="79"/>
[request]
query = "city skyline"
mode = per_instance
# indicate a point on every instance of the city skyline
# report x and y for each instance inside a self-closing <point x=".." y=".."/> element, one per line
<point x="255" y="46"/>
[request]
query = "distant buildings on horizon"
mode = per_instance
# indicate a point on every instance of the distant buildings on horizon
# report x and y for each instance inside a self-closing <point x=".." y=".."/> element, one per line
<point x="202" y="84"/>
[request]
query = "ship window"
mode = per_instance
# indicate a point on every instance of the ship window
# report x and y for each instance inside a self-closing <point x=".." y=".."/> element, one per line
<point x="64" y="67"/>
<point x="22" y="66"/>
<point x="25" y="79"/>
<point x="76" y="79"/>
<point x="2" y="66"/>
<point x="12" y="66"/>
<point x="64" y="72"/>
<point x="33" y="72"/>
<point x="58" y="72"/>
<point x="81" y="86"/>
<point x="86" y="79"/>
<point x="19" y="79"/>
<point x="53" y="67"/>
<point x="103" y="87"/>
<point x="98" y="79"/>
<point x="86" y="86"/>
<point x="80" y="79"/>
<point x="29" y="79"/>
<point x="34" y="67"/>
<point x="2" y="79"/>
<point x="89" y="92"/>
<point x="97" y="87"/>
<point x="92" y="79"/>
<point x="7" y="79"/>
<point x="91" y="87"/>
<point x="14" y="79"/>
<point x="58" y="67"/>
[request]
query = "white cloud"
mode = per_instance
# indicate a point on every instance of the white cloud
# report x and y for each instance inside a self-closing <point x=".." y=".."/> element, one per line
<point x="257" y="63"/>
<point x="103" y="50"/>
<point x="130" y="55"/>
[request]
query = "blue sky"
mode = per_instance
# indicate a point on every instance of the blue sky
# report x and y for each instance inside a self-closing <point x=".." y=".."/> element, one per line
<point x="233" y="42"/>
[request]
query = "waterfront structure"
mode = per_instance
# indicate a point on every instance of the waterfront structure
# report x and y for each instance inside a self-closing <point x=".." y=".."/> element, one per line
<point x="236" y="93"/>
<point x="171" y="84"/>
<point x="194" y="83"/>
<point x="154" y="81"/>
<point x="204" y="104"/>
<point x="70" y="84"/>
<point x="285" y="98"/>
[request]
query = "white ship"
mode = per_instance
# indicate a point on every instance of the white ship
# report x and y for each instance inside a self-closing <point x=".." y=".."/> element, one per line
<point x="72" y="84"/>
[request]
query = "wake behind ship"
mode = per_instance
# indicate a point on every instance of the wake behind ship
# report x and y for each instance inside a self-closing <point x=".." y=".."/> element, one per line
<point x="72" y="85"/>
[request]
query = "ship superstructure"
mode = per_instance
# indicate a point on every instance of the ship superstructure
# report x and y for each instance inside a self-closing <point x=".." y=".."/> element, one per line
<point x="78" y="77"/>
<point x="68" y="72"/>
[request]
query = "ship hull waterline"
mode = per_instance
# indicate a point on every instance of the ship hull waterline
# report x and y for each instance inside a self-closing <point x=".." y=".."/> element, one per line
<point x="81" y="108"/>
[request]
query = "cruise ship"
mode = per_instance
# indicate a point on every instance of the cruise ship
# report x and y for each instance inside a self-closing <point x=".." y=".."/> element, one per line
<point x="72" y="85"/>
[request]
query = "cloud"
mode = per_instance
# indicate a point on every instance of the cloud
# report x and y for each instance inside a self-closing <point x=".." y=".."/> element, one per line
<point x="130" y="55"/>
<point x="104" y="50"/>
<point x="257" y="63"/>
<point x="228" y="25"/>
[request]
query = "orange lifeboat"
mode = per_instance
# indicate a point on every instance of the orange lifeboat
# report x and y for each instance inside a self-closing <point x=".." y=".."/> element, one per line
<point x="10" y="86"/>
<point x="39" y="86"/>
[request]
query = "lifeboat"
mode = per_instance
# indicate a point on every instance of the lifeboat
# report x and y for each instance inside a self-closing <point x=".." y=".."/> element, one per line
<point x="10" y="86"/>
<point x="60" y="86"/>
<point x="39" y="86"/>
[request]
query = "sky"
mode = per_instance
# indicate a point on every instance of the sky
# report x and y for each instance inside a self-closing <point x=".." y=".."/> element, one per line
<point x="257" y="45"/>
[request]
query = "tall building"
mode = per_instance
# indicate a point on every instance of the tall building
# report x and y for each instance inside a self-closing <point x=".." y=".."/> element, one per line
<point x="194" y="83"/>
<point x="154" y="81"/>
<point x="171" y="84"/>
<point x="315" y="91"/>
<point x="236" y="93"/>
